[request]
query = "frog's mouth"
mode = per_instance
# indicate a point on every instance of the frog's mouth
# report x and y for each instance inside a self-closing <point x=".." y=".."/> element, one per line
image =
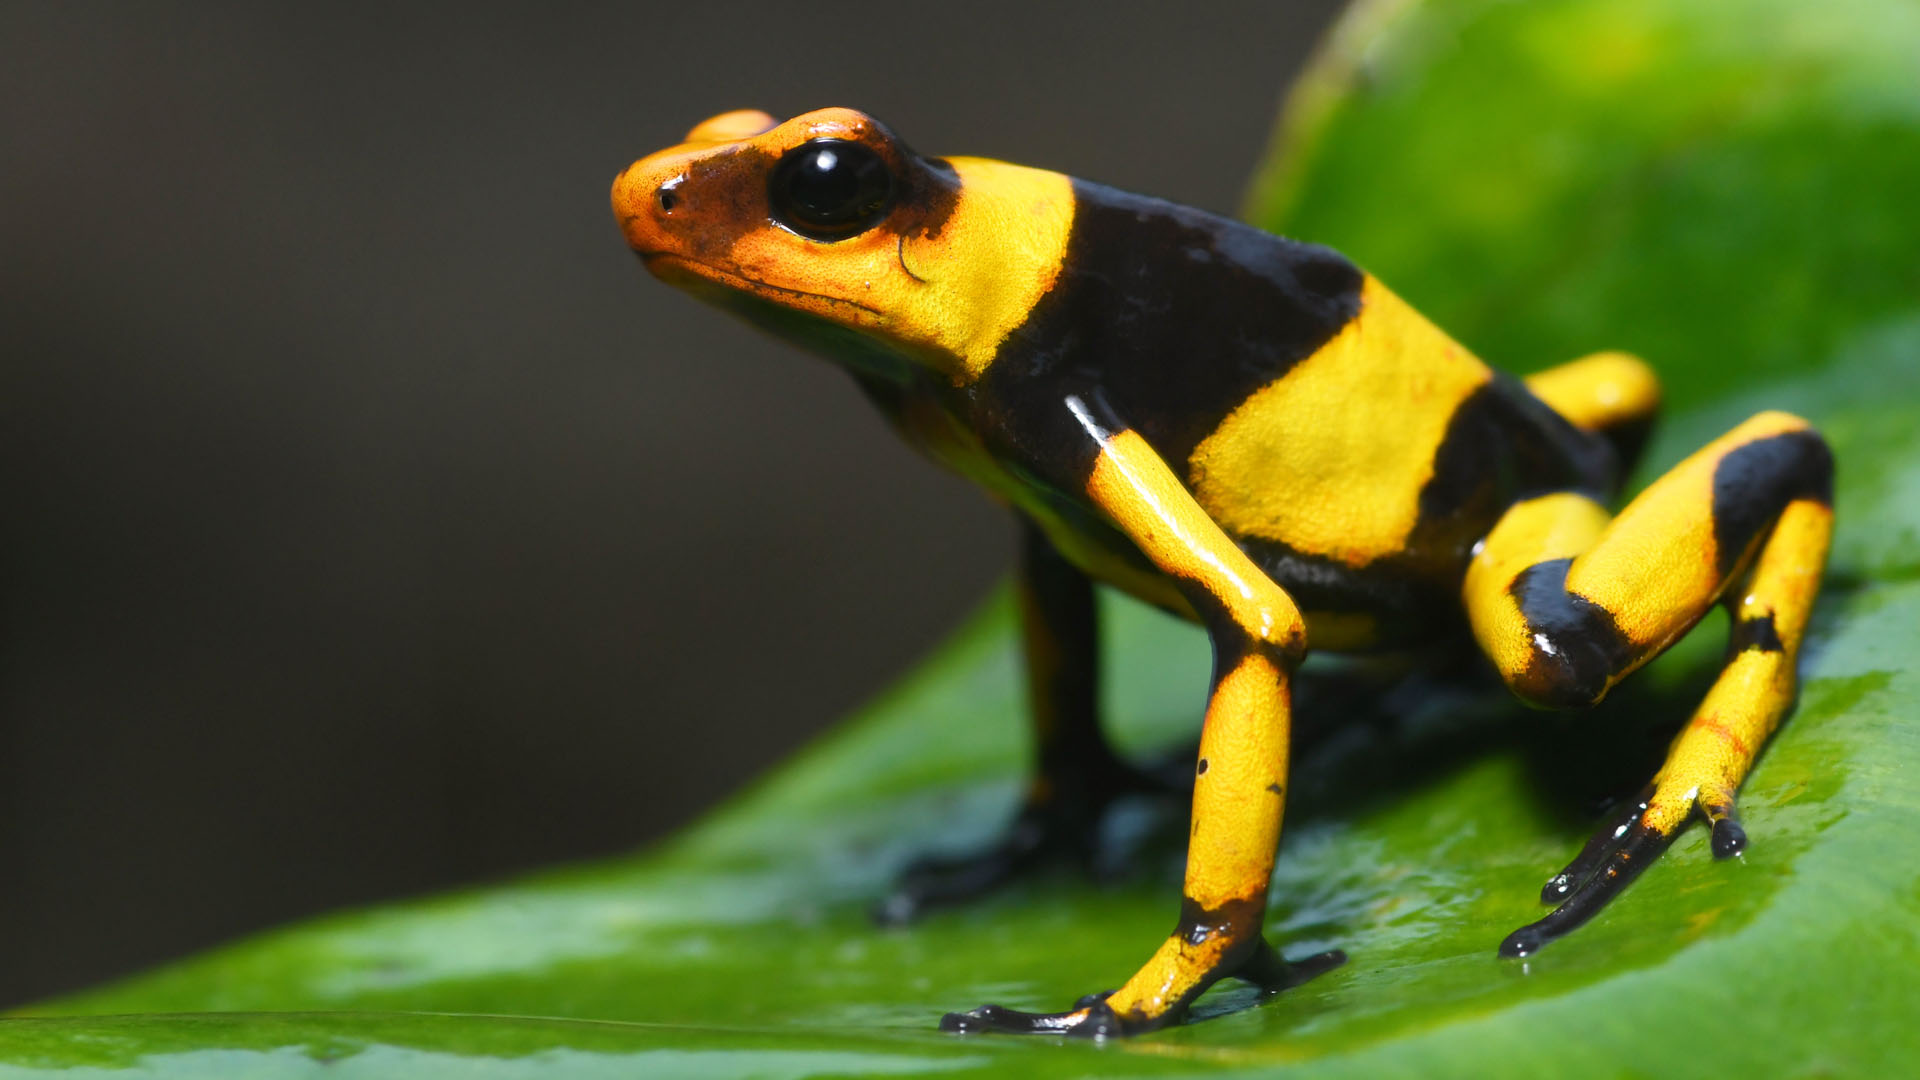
<point x="843" y="331"/>
<point x="693" y="274"/>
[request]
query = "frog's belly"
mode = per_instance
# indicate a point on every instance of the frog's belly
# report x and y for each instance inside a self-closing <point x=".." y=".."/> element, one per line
<point x="1400" y="601"/>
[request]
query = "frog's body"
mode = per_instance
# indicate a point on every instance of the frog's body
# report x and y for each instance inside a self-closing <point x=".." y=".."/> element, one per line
<point x="1419" y="443"/>
<point x="1253" y="433"/>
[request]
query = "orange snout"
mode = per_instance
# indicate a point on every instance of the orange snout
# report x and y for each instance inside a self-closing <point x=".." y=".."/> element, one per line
<point x="660" y="212"/>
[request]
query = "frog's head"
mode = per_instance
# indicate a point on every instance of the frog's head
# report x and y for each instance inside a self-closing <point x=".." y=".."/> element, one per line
<point x="831" y="218"/>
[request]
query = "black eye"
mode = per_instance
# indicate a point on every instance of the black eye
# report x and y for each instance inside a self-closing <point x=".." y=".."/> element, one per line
<point x="830" y="189"/>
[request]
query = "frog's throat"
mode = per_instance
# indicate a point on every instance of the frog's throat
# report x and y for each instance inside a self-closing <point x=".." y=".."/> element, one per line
<point x="682" y="271"/>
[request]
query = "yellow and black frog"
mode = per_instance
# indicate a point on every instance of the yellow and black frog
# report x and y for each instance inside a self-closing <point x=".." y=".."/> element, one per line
<point x="1255" y="434"/>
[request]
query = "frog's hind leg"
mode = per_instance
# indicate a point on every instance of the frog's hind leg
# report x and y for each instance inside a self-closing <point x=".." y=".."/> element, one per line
<point x="1611" y="394"/>
<point x="1567" y="603"/>
<point x="1077" y="775"/>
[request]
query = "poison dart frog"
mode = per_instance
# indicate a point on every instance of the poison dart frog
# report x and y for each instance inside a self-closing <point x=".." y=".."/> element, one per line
<point x="1257" y="435"/>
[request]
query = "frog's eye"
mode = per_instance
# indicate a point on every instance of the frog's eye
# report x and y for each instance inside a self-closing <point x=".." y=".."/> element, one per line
<point x="830" y="189"/>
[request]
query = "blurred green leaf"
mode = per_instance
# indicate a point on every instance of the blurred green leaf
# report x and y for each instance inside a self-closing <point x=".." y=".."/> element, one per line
<point x="1728" y="190"/>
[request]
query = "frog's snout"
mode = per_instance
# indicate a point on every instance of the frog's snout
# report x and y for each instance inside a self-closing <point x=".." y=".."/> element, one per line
<point x="645" y="196"/>
<point x="643" y="201"/>
<point x="654" y="200"/>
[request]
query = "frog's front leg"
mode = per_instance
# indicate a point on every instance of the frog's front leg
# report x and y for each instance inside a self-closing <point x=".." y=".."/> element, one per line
<point x="1077" y="776"/>
<point x="1240" y="787"/>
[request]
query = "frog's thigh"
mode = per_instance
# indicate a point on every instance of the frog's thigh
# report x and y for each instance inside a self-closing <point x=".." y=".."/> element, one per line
<point x="1599" y="391"/>
<point x="1567" y="603"/>
<point x="1611" y="394"/>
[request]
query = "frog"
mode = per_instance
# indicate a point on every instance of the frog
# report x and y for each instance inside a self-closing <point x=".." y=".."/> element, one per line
<point x="1254" y="434"/>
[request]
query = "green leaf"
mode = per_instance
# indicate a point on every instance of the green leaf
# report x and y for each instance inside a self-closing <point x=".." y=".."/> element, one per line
<point x="1726" y="189"/>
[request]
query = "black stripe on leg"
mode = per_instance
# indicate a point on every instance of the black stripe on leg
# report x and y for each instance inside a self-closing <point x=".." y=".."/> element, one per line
<point x="1756" y="633"/>
<point x="1753" y="483"/>
<point x="1575" y="645"/>
<point x="1199" y="924"/>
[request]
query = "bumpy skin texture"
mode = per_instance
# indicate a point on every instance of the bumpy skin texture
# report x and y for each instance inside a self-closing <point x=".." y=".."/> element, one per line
<point x="1255" y="434"/>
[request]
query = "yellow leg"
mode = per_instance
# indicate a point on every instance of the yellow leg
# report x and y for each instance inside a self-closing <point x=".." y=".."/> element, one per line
<point x="1240" y="779"/>
<point x="1567" y="603"/>
<point x="1239" y="793"/>
<point x="1713" y="752"/>
<point x="1238" y="796"/>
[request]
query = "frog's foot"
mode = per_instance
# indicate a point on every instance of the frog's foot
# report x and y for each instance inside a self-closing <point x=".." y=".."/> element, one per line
<point x="1093" y="1017"/>
<point x="1626" y="844"/>
<point x="1054" y="829"/>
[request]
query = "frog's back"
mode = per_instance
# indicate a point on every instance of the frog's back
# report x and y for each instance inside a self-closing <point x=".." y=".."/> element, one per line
<point x="1344" y="441"/>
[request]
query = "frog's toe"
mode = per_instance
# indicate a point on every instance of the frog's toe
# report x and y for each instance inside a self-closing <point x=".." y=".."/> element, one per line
<point x="1621" y="849"/>
<point x="1094" y="1016"/>
<point x="1612" y="834"/>
<point x="1090" y="1017"/>
<point x="1729" y="839"/>
<point x="1266" y="969"/>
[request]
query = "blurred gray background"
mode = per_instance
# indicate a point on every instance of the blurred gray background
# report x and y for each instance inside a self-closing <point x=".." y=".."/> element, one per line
<point x="372" y="523"/>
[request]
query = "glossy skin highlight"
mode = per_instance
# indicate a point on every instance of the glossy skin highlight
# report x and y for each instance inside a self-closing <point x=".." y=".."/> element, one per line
<point x="1254" y="434"/>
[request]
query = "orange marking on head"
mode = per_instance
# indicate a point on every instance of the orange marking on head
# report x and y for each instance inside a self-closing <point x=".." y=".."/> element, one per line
<point x="955" y="258"/>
